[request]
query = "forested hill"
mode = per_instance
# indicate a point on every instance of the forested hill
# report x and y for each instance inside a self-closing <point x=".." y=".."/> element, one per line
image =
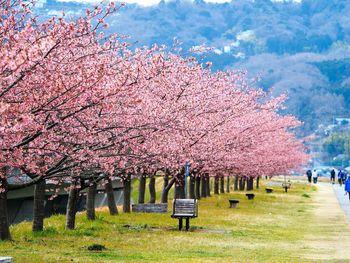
<point x="299" y="48"/>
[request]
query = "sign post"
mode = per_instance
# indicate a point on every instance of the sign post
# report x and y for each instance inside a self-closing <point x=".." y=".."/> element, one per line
<point x="187" y="172"/>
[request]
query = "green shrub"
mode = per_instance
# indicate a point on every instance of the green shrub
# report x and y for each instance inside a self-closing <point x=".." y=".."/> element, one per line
<point x="305" y="195"/>
<point x="96" y="247"/>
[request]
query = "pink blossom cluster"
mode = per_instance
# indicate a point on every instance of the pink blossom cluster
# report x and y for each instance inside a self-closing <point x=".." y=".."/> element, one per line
<point x="74" y="100"/>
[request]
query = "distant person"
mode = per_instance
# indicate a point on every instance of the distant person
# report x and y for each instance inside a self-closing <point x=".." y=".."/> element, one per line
<point x="347" y="187"/>
<point x="314" y="176"/>
<point x="309" y="175"/>
<point x="333" y="176"/>
<point x="340" y="176"/>
<point x="344" y="177"/>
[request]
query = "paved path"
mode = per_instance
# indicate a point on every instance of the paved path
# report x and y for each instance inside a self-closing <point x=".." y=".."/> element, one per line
<point x="329" y="238"/>
<point x="342" y="199"/>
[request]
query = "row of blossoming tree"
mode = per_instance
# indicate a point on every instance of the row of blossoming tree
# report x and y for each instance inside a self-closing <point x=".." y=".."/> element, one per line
<point x="78" y="106"/>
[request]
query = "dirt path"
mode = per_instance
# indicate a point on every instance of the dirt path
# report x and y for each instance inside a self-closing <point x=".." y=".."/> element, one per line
<point x="329" y="240"/>
<point x="342" y="199"/>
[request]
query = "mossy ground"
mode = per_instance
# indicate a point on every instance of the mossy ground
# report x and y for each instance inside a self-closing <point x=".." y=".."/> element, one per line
<point x="270" y="228"/>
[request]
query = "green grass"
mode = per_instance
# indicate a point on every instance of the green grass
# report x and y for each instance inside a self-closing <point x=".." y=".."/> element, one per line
<point x="267" y="229"/>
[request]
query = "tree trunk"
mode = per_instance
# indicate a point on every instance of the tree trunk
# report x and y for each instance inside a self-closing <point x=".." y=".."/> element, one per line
<point x="204" y="186"/>
<point x="127" y="193"/>
<point x="90" y="200"/>
<point x="235" y="187"/>
<point x="192" y="186"/>
<point x="216" y="185"/>
<point x="113" y="210"/>
<point x="241" y="183"/>
<point x="208" y="185"/>
<point x="244" y="183"/>
<point x="198" y="185"/>
<point x="166" y="189"/>
<point x="180" y="186"/>
<point x="250" y="183"/>
<point x="4" y="223"/>
<point x="228" y="184"/>
<point x="39" y="206"/>
<point x="72" y="205"/>
<point x="142" y="189"/>
<point x="166" y="178"/>
<point x="152" y="189"/>
<point x="257" y="182"/>
<point x="222" y="184"/>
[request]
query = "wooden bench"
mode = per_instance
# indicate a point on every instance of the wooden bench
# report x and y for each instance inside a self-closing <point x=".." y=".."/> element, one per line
<point x="250" y="196"/>
<point x="233" y="203"/>
<point x="185" y="208"/>
<point x="269" y="190"/>
<point x="150" y="208"/>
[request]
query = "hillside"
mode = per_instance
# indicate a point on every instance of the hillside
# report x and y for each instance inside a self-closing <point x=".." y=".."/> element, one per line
<point x="297" y="48"/>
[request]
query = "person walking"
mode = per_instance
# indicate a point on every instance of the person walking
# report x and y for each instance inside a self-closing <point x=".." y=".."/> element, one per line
<point x="314" y="176"/>
<point x="344" y="176"/>
<point x="340" y="174"/>
<point x="333" y="176"/>
<point x="347" y="187"/>
<point x="309" y="175"/>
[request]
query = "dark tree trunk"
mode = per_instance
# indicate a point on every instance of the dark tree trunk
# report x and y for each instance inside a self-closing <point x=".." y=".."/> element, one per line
<point x="235" y="187"/>
<point x="250" y="184"/>
<point x="4" y="223"/>
<point x="180" y="186"/>
<point x="198" y="187"/>
<point x="166" y="189"/>
<point x="152" y="189"/>
<point x="204" y="186"/>
<point x="142" y="189"/>
<point x="166" y="178"/>
<point x="113" y="210"/>
<point x="241" y="183"/>
<point x="222" y="184"/>
<point x="127" y="193"/>
<point x="72" y="205"/>
<point x="90" y="200"/>
<point x="244" y="183"/>
<point x="208" y="185"/>
<point x="228" y="184"/>
<point x="192" y="186"/>
<point x="257" y="182"/>
<point x="39" y="206"/>
<point x="216" y="185"/>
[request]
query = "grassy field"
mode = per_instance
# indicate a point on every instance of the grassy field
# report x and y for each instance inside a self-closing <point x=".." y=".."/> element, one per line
<point x="271" y="228"/>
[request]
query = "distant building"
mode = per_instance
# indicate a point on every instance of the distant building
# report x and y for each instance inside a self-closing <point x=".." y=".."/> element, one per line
<point x="340" y="124"/>
<point x="342" y="121"/>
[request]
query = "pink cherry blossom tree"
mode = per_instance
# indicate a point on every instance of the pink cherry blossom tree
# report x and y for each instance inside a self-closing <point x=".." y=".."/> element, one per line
<point x="79" y="106"/>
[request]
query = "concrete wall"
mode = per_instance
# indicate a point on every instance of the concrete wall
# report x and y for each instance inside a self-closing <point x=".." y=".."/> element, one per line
<point x="21" y="209"/>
